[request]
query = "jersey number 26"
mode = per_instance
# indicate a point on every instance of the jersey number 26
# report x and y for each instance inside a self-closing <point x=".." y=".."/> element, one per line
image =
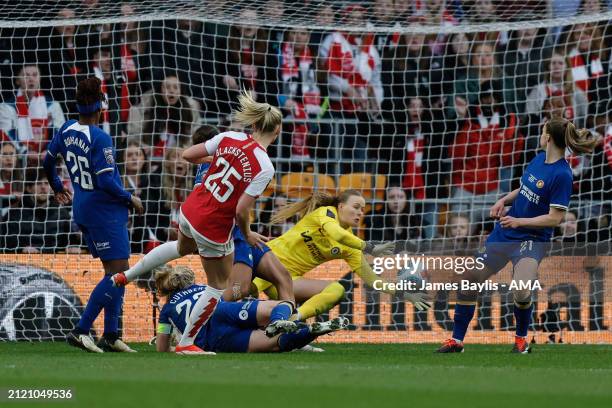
<point x="225" y="172"/>
<point x="83" y="178"/>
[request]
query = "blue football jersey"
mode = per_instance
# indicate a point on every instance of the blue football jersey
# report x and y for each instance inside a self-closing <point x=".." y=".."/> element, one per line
<point x="88" y="152"/>
<point x="543" y="185"/>
<point x="202" y="169"/>
<point x="177" y="309"/>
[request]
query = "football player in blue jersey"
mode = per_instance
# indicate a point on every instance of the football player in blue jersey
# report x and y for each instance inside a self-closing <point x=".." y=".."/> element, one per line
<point x="100" y="207"/>
<point x="523" y="234"/>
<point x="234" y="327"/>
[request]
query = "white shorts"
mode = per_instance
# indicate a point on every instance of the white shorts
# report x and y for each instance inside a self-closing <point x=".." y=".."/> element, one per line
<point x="206" y="248"/>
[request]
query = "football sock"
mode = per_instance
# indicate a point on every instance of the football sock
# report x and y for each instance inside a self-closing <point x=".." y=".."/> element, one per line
<point x="97" y="300"/>
<point x="112" y="312"/>
<point x="522" y="317"/>
<point x="322" y="302"/>
<point x="463" y="316"/>
<point x="297" y="339"/>
<point x="282" y="311"/>
<point x="157" y="257"/>
<point x="200" y="314"/>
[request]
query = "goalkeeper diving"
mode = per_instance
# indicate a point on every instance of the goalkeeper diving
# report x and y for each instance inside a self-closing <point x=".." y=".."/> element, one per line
<point x="324" y="233"/>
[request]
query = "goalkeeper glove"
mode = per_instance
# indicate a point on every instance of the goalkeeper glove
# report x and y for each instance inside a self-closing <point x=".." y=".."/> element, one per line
<point x="420" y="300"/>
<point x="383" y="249"/>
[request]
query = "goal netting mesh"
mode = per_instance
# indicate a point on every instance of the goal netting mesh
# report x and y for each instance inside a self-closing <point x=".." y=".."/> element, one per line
<point x="431" y="109"/>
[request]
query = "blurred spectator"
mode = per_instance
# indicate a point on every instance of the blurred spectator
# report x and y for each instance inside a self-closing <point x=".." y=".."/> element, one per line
<point x="273" y="12"/>
<point x="413" y="73"/>
<point x="168" y="188"/>
<point x="355" y="88"/>
<point x="457" y="227"/>
<point x="324" y="16"/>
<point x="189" y="52"/>
<point x="555" y="95"/>
<point x="482" y="11"/>
<point x="557" y="81"/>
<point x="163" y="119"/>
<point x="40" y="225"/>
<point x="567" y="231"/>
<point x="247" y="62"/>
<point x="102" y="69"/>
<point x="10" y="176"/>
<point x="136" y="181"/>
<point x="32" y="117"/>
<point x="136" y="62"/>
<point x="522" y="62"/>
<point x="486" y="142"/>
<point x="64" y="60"/>
<point x="301" y="96"/>
<point x="270" y="208"/>
<point x="393" y="222"/>
<point x="483" y="69"/>
<point x="455" y="63"/>
<point x="584" y="51"/>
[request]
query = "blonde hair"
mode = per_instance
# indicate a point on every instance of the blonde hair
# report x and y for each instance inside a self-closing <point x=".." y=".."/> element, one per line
<point x="311" y="203"/>
<point x="564" y="134"/>
<point x="168" y="280"/>
<point x="262" y="117"/>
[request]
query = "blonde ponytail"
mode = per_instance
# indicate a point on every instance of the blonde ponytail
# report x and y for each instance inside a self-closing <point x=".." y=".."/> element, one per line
<point x="315" y="200"/>
<point x="261" y="117"/>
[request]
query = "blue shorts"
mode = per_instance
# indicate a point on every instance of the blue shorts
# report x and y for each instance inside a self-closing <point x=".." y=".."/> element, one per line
<point x="258" y="254"/>
<point x="499" y="249"/>
<point x="108" y="242"/>
<point x="242" y="250"/>
<point x="230" y="327"/>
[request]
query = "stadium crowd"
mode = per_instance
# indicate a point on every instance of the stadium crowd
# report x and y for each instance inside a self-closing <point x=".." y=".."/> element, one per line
<point x="444" y="118"/>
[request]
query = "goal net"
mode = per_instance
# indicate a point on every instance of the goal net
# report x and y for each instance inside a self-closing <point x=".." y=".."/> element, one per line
<point x="431" y="109"/>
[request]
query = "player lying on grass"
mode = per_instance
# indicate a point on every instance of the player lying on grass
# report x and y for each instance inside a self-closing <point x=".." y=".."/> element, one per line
<point x="100" y="208"/>
<point x="522" y="235"/>
<point x="324" y="233"/>
<point x="234" y="327"/>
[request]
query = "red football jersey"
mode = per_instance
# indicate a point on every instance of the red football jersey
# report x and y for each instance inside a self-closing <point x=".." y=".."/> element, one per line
<point x="239" y="165"/>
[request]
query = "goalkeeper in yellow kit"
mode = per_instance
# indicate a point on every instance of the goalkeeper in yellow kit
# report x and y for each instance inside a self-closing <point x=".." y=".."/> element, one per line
<point x="324" y="233"/>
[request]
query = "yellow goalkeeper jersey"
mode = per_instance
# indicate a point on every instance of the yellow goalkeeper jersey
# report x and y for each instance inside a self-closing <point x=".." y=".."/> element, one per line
<point x="306" y="245"/>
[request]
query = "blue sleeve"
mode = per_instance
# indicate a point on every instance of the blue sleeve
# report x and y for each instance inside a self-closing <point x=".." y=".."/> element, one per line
<point x="103" y="155"/>
<point x="561" y="191"/>
<point x="108" y="183"/>
<point x="49" y="165"/>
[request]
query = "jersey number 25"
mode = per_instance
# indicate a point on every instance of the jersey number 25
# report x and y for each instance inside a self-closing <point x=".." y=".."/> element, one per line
<point x="225" y="172"/>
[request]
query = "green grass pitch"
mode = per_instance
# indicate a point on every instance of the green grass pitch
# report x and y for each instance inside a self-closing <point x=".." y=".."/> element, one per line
<point x="347" y="375"/>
